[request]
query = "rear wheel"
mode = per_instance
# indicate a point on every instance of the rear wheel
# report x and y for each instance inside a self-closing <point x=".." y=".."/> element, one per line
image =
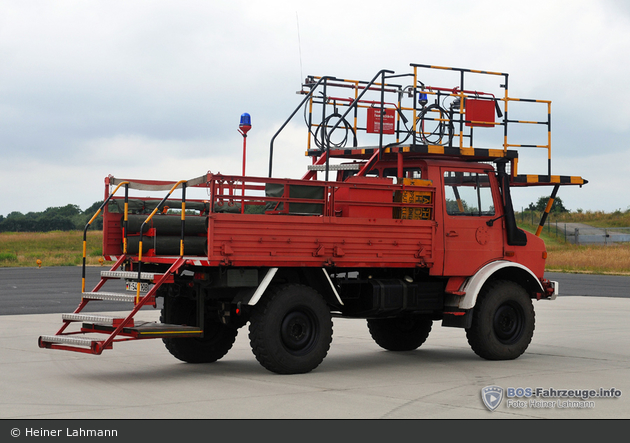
<point x="503" y="322"/>
<point x="217" y="338"/>
<point x="291" y="329"/>
<point x="400" y="334"/>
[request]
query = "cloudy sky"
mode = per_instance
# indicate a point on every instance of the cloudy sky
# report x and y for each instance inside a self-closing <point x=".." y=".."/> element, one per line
<point x="155" y="89"/>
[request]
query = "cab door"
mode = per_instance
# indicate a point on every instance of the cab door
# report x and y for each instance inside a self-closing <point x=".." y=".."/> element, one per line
<point x="473" y="228"/>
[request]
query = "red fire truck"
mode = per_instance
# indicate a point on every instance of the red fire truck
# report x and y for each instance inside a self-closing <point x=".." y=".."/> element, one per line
<point x="413" y="225"/>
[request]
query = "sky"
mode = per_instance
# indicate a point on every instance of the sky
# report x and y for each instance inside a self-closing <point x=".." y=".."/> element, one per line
<point x="155" y="89"/>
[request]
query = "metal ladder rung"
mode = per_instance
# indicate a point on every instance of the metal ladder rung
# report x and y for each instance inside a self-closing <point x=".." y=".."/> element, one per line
<point x="110" y="296"/>
<point x="129" y="275"/>
<point x="67" y="340"/>
<point x="102" y="319"/>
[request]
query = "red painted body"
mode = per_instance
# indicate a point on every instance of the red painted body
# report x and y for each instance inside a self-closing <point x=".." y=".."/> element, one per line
<point x="357" y="229"/>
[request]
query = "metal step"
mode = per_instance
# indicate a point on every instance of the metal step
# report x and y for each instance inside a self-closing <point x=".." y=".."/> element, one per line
<point x="67" y="340"/>
<point x="164" y="330"/>
<point x="110" y="296"/>
<point x="149" y="276"/>
<point x="103" y="319"/>
<point x="148" y="330"/>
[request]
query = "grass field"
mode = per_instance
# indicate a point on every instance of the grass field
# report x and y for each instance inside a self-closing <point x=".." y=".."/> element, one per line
<point x="65" y="248"/>
<point x="595" y="259"/>
<point x="56" y="248"/>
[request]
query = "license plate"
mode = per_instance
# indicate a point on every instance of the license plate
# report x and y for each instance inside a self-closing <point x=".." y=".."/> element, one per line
<point x="133" y="286"/>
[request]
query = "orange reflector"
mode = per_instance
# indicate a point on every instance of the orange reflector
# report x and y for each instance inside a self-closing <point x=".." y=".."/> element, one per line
<point x="544" y="255"/>
<point x="509" y="253"/>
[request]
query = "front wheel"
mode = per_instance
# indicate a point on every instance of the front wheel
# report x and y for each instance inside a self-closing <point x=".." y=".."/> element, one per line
<point x="503" y="322"/>
<point x="290" y="330"/>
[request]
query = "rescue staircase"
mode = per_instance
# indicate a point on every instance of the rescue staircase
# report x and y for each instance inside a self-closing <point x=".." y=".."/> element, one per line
<point x="99" y="332"/>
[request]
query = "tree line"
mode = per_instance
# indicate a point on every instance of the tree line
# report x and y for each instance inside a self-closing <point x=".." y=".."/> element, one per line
<point x="556" y="208"/>
<point x="61" y="218"/>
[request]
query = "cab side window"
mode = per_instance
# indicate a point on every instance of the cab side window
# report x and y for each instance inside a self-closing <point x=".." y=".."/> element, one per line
<point x="468" y="194"/>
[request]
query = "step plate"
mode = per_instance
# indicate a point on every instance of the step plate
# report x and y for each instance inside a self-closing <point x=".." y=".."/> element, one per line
<point x="147" y="330"/>
<point x="90" y="318"/>
<point x="109" y="296"/>
<point x="149" y="276"/>
<point x="67" y="340"/>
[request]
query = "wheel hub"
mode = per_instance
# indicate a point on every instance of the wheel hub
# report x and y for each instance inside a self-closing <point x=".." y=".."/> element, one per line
<point x="508" y="324"/>
<point x="298" y="331"/>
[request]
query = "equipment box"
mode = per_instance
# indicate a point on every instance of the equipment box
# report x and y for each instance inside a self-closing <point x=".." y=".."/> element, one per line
<point x="379" y="296"/>
<point x="347" y="198"/>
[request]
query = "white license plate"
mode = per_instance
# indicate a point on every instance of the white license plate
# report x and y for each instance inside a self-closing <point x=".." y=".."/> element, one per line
<point x="133" y="286"/>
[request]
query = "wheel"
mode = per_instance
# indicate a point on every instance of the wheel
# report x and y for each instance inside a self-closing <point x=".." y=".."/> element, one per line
<point x="400" y="334"/>
<point x="217" y="338"/>
<point x="503" y="322"/>
<point x="290" y="329"/>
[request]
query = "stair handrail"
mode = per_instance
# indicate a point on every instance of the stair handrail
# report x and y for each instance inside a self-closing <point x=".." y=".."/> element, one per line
<point x="109" y="197"/>
<point x="148" y="219"/>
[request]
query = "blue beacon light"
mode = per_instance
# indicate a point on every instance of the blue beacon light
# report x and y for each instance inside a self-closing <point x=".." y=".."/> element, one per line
<point x="246" y="123"/>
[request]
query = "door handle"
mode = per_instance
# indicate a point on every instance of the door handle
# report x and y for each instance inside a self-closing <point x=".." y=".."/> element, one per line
<point x="452" y="234"/>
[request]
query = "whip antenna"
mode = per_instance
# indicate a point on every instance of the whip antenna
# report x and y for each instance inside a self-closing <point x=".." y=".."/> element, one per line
<point x="297" y="20"/>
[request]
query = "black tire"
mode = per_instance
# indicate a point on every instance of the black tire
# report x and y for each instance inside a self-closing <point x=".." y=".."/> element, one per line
<point x="503" y="321"/>
<point x="400" y="334"/>
<point x="290" y="329"/>
<point x="217" y="338"/>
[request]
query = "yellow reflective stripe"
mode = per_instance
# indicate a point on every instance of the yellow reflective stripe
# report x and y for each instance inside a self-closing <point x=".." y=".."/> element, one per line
<point x="549" y="203"/>
<point x="94" y="218"/>
<point x="167" y="332"/>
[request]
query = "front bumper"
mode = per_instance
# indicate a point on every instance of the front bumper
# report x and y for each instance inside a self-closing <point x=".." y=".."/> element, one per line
<point x="551" y="289"/>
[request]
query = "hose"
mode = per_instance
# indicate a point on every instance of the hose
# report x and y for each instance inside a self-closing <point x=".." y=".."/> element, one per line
<point x="444" y="126"/>
<point x="328" y="143"/>
<point x="345" y="126"/>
